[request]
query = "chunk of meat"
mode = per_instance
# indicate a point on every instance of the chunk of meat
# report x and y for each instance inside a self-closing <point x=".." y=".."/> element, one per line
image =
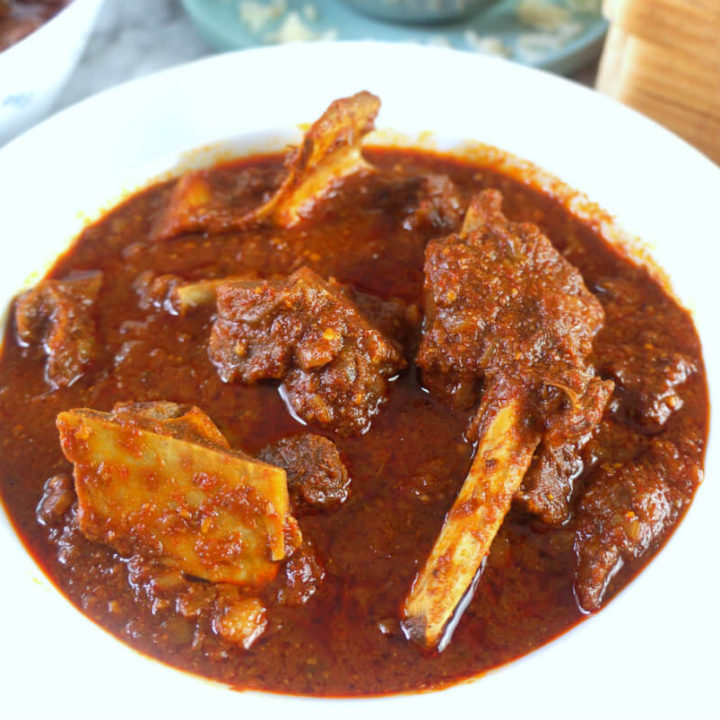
<point x="235" y="617"/>
<point x="195" y="207"/>
<point x="240" y="621"/>
<point x="650" y="381"/>
<point x="58" y="495"/>
<point x="394" y="318"/>
<point x="548" y="484"/>
<point x="626" y="511"/>
<point x="334" y="364"/>
<point x="511" y="303"/>
<point x="329" y="152"/>
<point x="304" y="574"/>
<point x="204" y="201"/>
<point x="156" y="291"/>
<point x="649" y="378"/>
<point x="189" y="296"/>
<point x="438" y="205"/>
<point x="159" y="480"/>
<point x="177" y="296"/>
<point x="316" y="474"/>
<point x="505" y="308"/>
<point x="499" y="299"/>
<point x="59" y="314"/>
<point x="154" y="582"/>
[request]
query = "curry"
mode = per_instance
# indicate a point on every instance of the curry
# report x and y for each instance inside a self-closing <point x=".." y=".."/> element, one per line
<point x="346" y="421"/>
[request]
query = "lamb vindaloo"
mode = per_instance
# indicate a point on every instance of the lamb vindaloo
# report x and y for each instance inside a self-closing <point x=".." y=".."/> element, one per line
<point x="346" y="421"/>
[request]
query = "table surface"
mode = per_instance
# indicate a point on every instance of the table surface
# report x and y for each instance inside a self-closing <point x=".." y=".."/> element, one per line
<point x="133" y="38"/>
<point x="136" y="37"/>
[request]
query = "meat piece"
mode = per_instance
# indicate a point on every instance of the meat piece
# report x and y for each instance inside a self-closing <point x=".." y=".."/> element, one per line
<point x="330" y="151"/>
<point x="156" y="291"/>
<point x="204" y="201"/>
<point x="438" y="205"/>
<point x="316" y="474"/>
<point x="59" y="314"/>
<point x="649" y="378"/>
<point x="157" y="584"/>
<point x="394" y="318"/>
<point x="303" y="575"/>
<point x="240" y="621"/>
<point x="159" y="480"/>
<point x="183" y="422"/>
<point x="334" y="364"/>
<point x="499" y="299"/>
<point x="189" y="296"/>
<point x="626" y="511"/>
<point x="196" y="207"/>
<point x="193" y="207"/>
<point x="234" y="617"/>
<point x="177" y="296"/>
<point x="502" y="307"/>
<point x="58" y="495"/>
<point x="548" y="484"/>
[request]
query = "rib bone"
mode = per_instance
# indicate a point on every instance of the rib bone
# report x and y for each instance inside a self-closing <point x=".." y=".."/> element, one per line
<point x="329" y="152"/>
<point x="500" y="462"/>
<point x="505" y="309"/>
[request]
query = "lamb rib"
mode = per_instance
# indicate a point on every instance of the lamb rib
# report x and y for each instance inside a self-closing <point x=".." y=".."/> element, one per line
<point x="505" y="309"/>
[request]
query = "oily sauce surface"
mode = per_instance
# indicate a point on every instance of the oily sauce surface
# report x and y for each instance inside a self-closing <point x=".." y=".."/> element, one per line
<point x="345" y="639"/>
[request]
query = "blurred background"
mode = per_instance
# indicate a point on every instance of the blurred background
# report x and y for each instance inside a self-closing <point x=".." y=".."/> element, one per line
<point x="660" y="56"/>
<point x="134" y="37"/>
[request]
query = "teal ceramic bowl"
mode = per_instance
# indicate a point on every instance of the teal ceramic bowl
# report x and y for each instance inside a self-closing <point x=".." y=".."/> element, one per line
<point x="417" y="11"/>
<point x="492" y="27"/>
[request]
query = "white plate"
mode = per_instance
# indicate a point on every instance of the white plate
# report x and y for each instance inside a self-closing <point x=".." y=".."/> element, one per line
<point x="34" y="70"/>
<point x="651" y="653"/>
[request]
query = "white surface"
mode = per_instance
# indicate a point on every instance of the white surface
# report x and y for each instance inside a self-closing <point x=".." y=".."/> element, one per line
<point x="651" y="653"/>
<point x="33" y="71"/>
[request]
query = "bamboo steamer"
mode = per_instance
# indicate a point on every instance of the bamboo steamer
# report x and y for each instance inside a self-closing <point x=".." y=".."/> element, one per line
<point x="662" y="57"/>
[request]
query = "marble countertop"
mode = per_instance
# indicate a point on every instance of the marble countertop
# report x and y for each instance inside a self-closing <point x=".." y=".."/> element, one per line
<point x="133" y="38"/>
<point x="136" y="37"/>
